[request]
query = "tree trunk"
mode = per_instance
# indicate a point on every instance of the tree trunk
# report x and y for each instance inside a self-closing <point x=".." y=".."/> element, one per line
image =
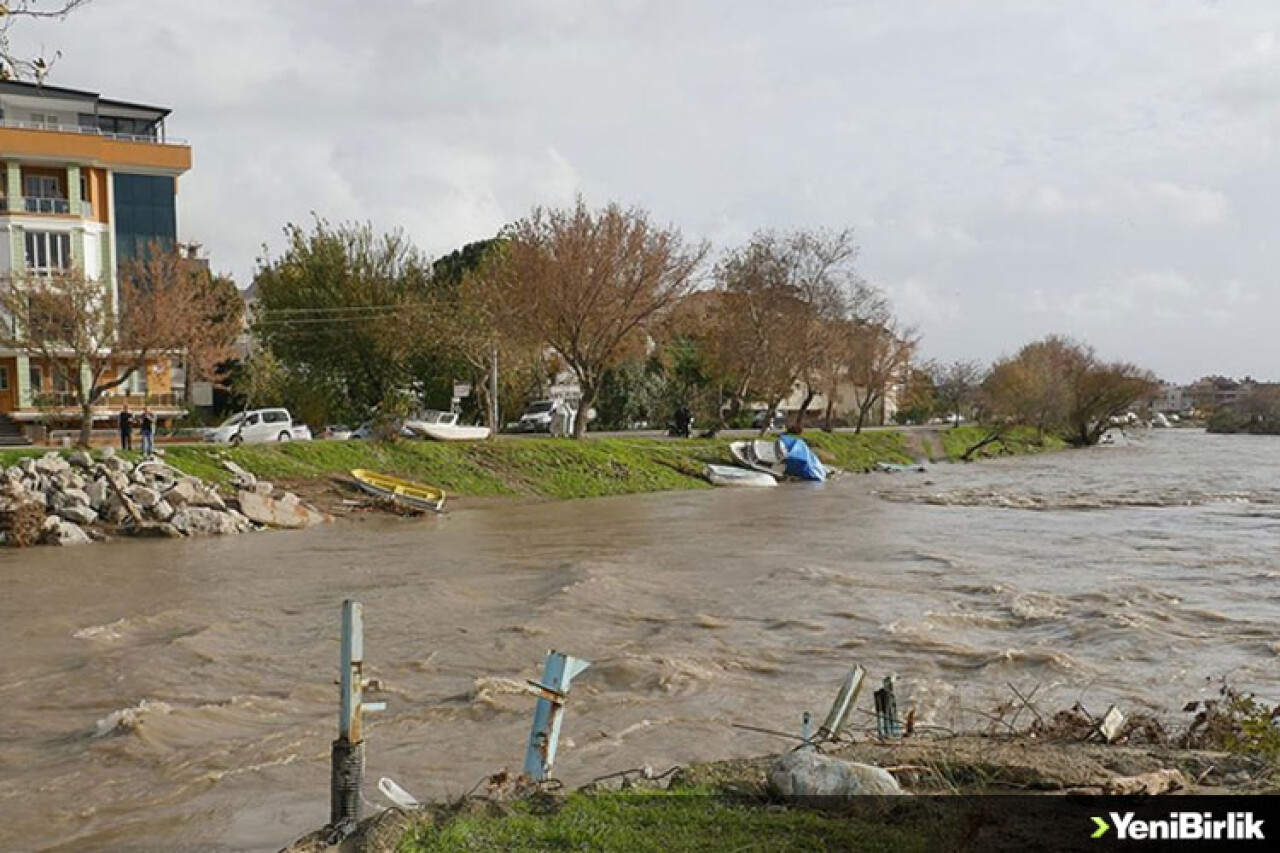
<point x="585" y="404"/>
<point x="809" y="394"/>
<point x="829" y="415"/>
<point x="86" y="423"/>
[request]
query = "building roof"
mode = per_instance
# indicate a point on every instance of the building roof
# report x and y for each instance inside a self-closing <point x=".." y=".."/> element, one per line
<point x="40" y="90"/>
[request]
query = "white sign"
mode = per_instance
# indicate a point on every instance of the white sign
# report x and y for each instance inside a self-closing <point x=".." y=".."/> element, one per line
<point x="202" y="393"/>
<point x="461" y="389"/>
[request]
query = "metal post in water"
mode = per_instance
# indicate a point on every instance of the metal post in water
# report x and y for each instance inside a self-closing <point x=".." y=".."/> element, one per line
<point x="887" y="723"/>
<point x="347" y="756"/>
<point x="552" y="692"/>
<point x="806" y="723"/>
<point x="845" y="699"/>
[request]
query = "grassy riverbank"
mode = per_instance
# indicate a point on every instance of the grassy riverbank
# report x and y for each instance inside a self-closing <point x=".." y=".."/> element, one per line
<point x="562" y="468"/>
<point x="725" y="806"/>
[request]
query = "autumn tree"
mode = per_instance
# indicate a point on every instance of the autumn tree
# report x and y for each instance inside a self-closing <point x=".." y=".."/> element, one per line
<point x="1062" y="386"/>
<point x="15" y="65"/>
<point x="172" y="287"/>
<point x="92" y="346"/>
<point x="879" y="351"/>
<point x="585" y="283"/>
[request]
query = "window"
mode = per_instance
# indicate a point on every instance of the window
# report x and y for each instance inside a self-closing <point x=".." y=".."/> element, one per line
<point x="84" y="187"/>
<point x="274" y="416"/>
<point x="36" y="375"/>
<point x="138" y="382"/>
<point x="4" y="378"/>
<point x="48" y="251"/>
<point x="48" y="120"/>
<point x="41" y="186"/>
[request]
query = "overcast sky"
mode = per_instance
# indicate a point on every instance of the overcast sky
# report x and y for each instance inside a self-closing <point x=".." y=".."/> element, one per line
<point x="1103" y="169"/>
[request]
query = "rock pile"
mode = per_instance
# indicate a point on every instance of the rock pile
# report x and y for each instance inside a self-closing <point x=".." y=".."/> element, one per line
<point x="74" y="500"/>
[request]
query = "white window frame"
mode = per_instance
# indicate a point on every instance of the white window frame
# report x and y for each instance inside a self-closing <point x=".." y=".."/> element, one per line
<point x="51" y="247"/>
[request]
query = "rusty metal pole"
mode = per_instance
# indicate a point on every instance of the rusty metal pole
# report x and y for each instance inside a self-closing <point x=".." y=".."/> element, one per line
<point x="552" y="693"/>
<point x="887" y="723"/>
<point x="347" y="757"/>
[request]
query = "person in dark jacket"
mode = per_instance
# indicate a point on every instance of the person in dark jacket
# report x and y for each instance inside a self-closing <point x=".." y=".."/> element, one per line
<point x="148" y="429"/>
<point x="126" y="428"/>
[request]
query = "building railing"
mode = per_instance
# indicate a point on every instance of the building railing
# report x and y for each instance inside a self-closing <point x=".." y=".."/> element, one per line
<point x="67" y="400"/>
<point x="54" y="206"/>
<point x="46" y="205"/>
<point x="90" y="131"/>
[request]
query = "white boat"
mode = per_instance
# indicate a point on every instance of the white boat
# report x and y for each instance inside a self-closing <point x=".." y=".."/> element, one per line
<point x="767" y="456"/>
<point x="444" y="426"/>
<point x="731" y="475"/>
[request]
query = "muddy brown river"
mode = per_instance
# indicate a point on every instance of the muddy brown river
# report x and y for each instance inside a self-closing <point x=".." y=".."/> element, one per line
<point x="168" y="696"/>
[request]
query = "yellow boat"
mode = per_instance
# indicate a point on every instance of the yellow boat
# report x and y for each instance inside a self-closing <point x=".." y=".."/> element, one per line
<point x="407" y="492"/>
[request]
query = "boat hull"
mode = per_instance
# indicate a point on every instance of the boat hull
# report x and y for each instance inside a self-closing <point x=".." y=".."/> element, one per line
<point x="407" y="492"/>
<point x="731" y="475"/>
<point x="438" y="432"/>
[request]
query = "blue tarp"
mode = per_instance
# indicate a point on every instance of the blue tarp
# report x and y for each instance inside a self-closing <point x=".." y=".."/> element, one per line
<point x="801" y="460"/>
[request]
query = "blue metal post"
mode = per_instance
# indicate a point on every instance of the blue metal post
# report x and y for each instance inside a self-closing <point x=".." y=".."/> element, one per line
<point x="552" y="692"/>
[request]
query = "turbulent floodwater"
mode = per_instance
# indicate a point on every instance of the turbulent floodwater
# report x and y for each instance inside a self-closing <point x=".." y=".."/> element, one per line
<point x="179" y="695"/>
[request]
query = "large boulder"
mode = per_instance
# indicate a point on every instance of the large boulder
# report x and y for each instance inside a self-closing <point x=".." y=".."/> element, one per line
<point x="162" y="511"/>
<point x="285" y="511"/>
<point x="182" y="492"/>
<point x="203" y="521"/>
<point x="144" y="496"/>
<point x="80" y="459"/>
<point x="71" y="497"/>
<point x="97" y="492"/>
<point x="51" y="463"/>
<point x="66" y="533"/>
<point x="805" y="772"/>
<point x="78" y="513"/>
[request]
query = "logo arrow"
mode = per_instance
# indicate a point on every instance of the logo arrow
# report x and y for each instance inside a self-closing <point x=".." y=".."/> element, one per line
<point x="1103" y="826"/>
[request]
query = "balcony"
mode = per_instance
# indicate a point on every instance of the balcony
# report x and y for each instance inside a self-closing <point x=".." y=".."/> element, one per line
<point x="90" y="131"/>
<point x="44" y="206"/>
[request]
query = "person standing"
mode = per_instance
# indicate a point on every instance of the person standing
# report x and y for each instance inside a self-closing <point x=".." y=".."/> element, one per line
<point x="148" y="429"/>
<point x="126" y="428"/>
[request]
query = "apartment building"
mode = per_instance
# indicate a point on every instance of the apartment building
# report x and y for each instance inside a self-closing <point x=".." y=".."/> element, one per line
<point x="86" y="183"/>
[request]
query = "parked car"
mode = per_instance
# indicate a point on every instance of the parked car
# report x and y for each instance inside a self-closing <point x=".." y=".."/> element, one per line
<point x="779" y="423"/>
<point x="337" y="432"/>
<point x="259" y="425"/>
<point x="537" y="416"/>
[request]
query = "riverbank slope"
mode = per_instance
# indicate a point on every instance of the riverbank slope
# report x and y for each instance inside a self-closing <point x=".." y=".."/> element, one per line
<point x="563" y="468"/>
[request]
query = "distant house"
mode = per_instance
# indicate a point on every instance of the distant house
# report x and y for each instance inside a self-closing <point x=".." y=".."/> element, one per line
<point x="88" y="183"/>
<point x="1218" y="393"/>
<point x="1172" y="399"/>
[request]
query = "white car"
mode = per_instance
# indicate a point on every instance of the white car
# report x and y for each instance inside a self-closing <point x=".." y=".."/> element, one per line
<point x="259" y="425"/>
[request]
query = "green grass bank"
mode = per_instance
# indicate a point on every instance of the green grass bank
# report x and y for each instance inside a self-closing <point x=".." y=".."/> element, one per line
<point x="562" y="468"/>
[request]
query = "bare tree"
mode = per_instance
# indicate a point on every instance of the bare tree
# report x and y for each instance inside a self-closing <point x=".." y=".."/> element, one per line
<point x="180" y="292"/>
<point x="15" y="65"/>
<point x="584" y="283"/>
<point x="781" y="295"/>
<point x="69" y="322"/>
<point x="880" y="353"/>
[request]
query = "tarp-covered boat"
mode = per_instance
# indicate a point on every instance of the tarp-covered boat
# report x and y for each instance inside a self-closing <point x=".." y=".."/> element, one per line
<point x="802" y="462"/>
<point x="788" y="456"/>
<point x="416" y="495"/>
<point x="732" y="475"/>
